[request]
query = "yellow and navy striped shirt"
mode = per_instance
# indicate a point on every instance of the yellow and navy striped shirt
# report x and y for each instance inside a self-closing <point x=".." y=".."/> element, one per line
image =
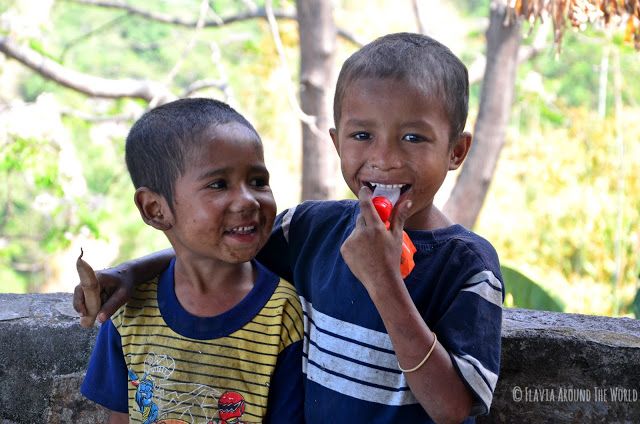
<point x="183" y="368"/>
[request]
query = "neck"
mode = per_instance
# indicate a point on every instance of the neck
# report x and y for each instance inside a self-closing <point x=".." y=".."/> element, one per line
<point x="208" y="288"/>
<point x="429" y="219"/>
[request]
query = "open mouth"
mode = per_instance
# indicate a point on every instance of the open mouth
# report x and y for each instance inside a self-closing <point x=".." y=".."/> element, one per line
<point x="242" y="231"/>
<point x="403" y="187"/>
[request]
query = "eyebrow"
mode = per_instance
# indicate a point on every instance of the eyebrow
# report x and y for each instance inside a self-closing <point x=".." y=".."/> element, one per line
<point x="365" y="123"/>
<point x="358" y="122"/>
<point x="228" y="169"/>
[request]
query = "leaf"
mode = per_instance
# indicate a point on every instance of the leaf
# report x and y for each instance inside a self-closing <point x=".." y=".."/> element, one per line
<point x="635" y="305"/>
<point x="38" y="47"/>
<point x="526" y="293"/>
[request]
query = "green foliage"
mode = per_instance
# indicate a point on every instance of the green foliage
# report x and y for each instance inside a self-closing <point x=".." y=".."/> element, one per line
<point x="522" y="292"/>
<point x="572" y="207"/>
<point x="635" y="306"/>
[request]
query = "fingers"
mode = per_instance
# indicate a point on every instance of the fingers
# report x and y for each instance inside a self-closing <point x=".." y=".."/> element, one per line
<point x="78" y="301"/>
<point x="367" y="210"/>
<point x="117" y="299"/>
<point x="398" y="217"/>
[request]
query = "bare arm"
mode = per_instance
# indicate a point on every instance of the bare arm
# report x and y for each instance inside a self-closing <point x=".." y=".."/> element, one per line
<point x="118" y="418"/>
<point x="118" y="282"/>
<point x="372" y="253"/>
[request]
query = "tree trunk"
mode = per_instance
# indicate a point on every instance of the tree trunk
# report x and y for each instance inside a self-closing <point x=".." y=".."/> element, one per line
<point x="317" y="52"/>
<point x="498" y="86"/>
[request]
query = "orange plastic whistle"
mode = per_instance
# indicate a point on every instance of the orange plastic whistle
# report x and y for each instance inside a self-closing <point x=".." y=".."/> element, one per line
<point x="384" y="207"/>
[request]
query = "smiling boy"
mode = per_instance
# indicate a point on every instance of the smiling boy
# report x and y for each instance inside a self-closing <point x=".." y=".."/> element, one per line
<point x="377" y="347"/>
<point x="215" y="336"/>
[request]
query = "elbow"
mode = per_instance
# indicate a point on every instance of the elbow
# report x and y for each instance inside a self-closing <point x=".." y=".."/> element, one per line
<point x="455" y="414"/>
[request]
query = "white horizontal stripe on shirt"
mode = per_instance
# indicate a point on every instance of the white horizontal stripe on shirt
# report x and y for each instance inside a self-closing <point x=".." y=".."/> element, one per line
<point x="349" y="366"/>
<point x="472" y="376"/>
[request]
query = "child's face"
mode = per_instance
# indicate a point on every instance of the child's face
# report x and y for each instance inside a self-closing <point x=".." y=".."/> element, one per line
<point x="392" y="133"/>
<point x="224" y="207"/>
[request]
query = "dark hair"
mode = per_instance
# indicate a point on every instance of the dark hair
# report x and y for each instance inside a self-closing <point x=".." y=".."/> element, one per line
<point x="159" y="143"/>
<point x="417" y="59"/>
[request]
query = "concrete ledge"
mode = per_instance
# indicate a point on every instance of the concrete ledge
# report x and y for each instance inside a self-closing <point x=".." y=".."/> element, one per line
<point x="556" y="367"/>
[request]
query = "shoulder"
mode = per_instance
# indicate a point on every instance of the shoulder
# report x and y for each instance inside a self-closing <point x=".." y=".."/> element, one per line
<point x="456" y="255"/>
<point x="143" y="297"/>
<point x="317" y="216"/>
<point x="283" y="309"/>
<point x="479" y="248"/>
<point x="320" y="210"/>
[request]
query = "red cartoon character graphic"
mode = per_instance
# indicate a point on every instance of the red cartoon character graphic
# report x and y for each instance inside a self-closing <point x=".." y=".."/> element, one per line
<point x="230" y="408"/>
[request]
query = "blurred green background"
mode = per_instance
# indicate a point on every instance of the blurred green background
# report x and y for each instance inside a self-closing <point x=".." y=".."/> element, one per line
<point x="563" y="210"/>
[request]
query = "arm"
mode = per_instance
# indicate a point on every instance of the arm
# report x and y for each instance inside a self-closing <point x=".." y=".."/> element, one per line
<point x="372" y="253"/>
<point x="106" y="380"/>
<point x="117" y="283"/>
<point x="118" y="418"/>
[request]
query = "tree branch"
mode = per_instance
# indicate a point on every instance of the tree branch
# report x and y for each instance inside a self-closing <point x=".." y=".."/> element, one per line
<point x="525" y="53"/>
<point x="87" y="84"/>
<point x="257" y="13"/>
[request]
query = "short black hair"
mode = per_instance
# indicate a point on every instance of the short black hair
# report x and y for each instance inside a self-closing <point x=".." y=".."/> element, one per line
<point x="160" y="142"/>
<point x="417" y="59"/>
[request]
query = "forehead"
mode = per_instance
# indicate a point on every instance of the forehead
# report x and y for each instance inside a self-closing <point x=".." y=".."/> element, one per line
<point x="230" y="137"/>
<point x="391" y="97"/>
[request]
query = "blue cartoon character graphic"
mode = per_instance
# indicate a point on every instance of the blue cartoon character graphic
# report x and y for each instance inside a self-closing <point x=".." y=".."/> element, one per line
<point x="144" y="397"/>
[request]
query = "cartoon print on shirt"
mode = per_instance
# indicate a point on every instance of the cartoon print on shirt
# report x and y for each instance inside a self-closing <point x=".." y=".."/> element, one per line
<point x="144" y="397"/>
<point x="157" y="397"/>
<point x="230" y="408"/>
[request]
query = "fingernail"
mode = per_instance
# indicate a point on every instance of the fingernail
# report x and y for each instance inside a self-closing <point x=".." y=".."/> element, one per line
<point x="101" y="318"/>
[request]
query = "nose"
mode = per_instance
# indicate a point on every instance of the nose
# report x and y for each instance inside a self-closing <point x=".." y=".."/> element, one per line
<point x="244" y="200"/>
<point x="385" y="154"/>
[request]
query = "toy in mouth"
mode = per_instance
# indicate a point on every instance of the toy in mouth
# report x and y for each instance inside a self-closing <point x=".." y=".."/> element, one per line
<point x="390" y="191"/>
<point x="384" y="198"/>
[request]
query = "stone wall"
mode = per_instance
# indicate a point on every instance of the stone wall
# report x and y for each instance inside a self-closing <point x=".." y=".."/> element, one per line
<point x="556" y="368"/>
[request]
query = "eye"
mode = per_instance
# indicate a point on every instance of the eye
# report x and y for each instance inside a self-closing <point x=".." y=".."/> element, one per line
<point x="413" y="138"/>
<point x="361" y="136"/>
<point x="218" y="185"/>
<point x="260" y="182"/>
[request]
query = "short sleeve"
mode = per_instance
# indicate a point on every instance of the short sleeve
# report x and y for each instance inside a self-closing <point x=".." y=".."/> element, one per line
<point x="106" y="380"/>
<point x="275" y="254"/>
<point x="286" y="391"/>
<point x="470" y="330"/>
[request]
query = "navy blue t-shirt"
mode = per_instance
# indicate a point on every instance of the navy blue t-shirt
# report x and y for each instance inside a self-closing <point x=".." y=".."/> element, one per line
<point x="349" y="363"/>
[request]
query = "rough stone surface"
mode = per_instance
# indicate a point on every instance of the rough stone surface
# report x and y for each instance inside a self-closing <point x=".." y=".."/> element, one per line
<point x="43" y="355"/>
<point x="556" y="368"/>
<point x="567" y="368"/>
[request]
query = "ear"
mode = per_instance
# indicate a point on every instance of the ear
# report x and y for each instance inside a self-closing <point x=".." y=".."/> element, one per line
<point x="153" y="209"/>
<point x="459" y="150"/>
<point x="334" y="137"/>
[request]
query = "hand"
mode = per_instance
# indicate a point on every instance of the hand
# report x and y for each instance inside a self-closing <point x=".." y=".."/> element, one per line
<point x="372" y="252"/>
<point x="115" y="290"/>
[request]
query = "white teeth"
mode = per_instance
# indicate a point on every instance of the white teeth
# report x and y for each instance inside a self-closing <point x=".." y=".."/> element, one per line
<point x="388" y="186"/>
<point x="242" y="230"/>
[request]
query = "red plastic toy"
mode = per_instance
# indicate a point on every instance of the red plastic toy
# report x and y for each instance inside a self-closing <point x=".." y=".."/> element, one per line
<point x="384" y="207"/>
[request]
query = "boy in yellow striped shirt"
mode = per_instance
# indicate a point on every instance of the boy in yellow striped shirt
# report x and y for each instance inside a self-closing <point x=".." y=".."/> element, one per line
<point x="216" y="337"/>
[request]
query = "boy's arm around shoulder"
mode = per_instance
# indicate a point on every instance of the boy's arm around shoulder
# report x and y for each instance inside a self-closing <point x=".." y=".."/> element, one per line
<point x="117" y="283"/>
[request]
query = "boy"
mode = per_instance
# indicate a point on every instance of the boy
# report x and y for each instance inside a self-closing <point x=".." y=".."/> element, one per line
<point x="370" y="351"/>
<point x="215" y="337"/>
